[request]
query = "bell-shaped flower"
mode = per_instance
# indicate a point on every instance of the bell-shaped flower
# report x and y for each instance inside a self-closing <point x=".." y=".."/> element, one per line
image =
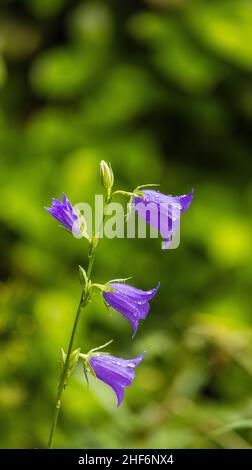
<point x="116" y="372"/>
<point x="131" y="302"/>
<point x="162" y="211"/>
<point x="65" y="213"/>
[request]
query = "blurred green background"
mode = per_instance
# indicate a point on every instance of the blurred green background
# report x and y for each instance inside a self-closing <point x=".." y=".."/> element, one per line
<point x="163" y="90"/>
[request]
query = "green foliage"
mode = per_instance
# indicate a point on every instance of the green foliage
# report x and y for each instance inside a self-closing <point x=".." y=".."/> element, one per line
<point x="162" y="90"/>
<point x="45" y="8"/>
<point x="3" y="72"/>
<point x="174" y="54"/>
<point x="91" y="23"/>
<point x="226" y="28"/>
<point x="63" y="73"/>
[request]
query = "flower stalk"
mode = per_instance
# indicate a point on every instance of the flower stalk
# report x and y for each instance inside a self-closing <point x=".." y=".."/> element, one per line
<point x="64" y="374"/>
<point x="84" y="300"/>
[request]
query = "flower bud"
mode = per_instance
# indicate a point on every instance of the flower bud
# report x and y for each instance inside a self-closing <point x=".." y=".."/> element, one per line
<point x="107" y="176"/>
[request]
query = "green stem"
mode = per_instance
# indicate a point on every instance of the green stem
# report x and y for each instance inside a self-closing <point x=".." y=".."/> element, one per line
<point x="85" y="296"/>
<point x="63" y="376"/>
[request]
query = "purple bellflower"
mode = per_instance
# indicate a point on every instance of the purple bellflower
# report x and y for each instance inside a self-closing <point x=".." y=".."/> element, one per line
<point x="162" y="212"/>
<point x="65" y="214"/>
<point x="116" y="372"/>
<point x="131" y="302"/>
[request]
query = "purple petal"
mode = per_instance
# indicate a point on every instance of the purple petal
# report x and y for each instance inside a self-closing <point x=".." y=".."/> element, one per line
<point x="134" y="292"/>
<point x="166" y="243"/>
<point x="64" y="213"/>
<point x="125" y="307"/>
<point x="116" y="372"/>
<point x="134" y="324"/>
<point x="131" y="302"/>
<point x="162" y="211"/>
<point x="155" y="196"/>
<point x="185" y="200"/>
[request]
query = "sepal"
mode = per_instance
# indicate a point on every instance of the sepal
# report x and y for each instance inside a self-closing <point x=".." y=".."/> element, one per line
<point x="73" y="360"/>
<point x="83" y="277"/>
